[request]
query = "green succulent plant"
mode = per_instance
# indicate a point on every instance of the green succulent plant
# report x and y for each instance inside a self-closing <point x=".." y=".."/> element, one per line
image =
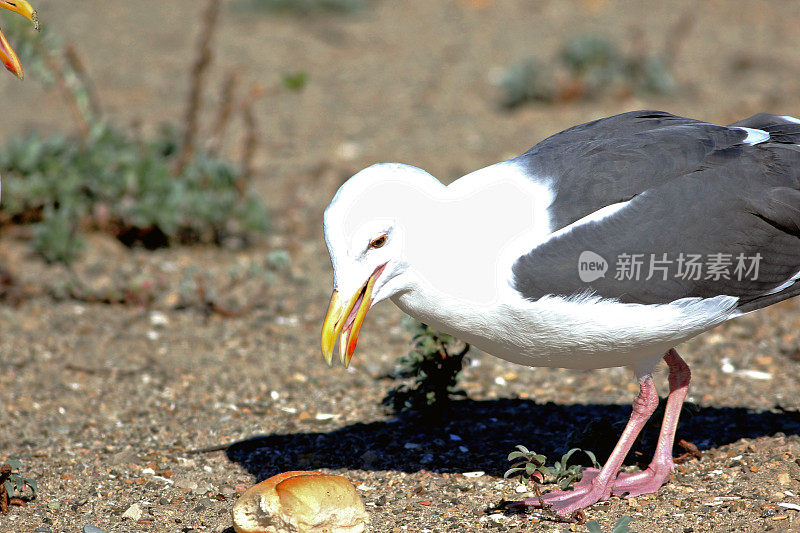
<point x="531" y="467"/>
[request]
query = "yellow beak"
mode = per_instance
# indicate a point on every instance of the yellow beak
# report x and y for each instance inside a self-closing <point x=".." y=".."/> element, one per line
<point x="7" y="54"/>
<point x="344" y="319"/>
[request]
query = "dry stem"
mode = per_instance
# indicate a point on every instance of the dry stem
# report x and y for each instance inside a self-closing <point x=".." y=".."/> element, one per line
<point x="198" y="75"/>
<point x="250" y="141"/>
<point x="227" y="105"/>
<point x="63" y="86"/>
<point x="677" y="36"/>
<point x="76" y="63"/>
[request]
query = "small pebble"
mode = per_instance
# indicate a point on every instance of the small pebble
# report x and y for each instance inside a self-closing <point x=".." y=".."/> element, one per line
<point x="755" y="374"/>
<point x="124" y="457"/>
<point x="186" y="483"/>
<point x="767" y="513"/>
<point x="88" y="528"/>
<point x="157" y="318"/>
<point x="726" y="366"/>
<point x="134" y="512"/>
<point x="203" y="488"/>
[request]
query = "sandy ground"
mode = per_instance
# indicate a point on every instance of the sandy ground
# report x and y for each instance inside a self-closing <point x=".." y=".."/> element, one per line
<point x="107" y="406"/>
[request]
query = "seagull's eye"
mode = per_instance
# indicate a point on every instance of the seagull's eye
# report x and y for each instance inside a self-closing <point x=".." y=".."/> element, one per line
<point x="377" y="243"/>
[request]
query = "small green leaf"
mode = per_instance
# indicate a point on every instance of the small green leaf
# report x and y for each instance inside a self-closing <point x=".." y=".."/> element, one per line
<point x="593" y="458"/>
<point x="566" y="456"/>
<point x="564" y="483"/>
<point x="33" y="484"/>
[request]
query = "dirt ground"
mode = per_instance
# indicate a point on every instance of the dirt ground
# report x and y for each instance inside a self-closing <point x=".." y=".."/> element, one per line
<point x="114" y="406"/>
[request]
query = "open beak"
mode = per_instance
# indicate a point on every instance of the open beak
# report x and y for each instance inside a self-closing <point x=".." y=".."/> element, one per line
<point x="7" y="54"/>
<point x="344" y="320"/>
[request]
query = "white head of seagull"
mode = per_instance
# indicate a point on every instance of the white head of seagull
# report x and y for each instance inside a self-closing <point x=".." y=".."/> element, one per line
<point x="395" y="231"/>
<point x="367" y="227"/>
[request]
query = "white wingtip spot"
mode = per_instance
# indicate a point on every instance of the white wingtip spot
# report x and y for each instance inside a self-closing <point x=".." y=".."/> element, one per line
<point x="790" y="119"/>
<point x="755" y="136"/>
<point x="788" y="283"/>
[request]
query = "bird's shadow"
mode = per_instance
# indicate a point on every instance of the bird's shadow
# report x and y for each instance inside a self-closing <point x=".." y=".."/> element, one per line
<point x="478" y="435"/>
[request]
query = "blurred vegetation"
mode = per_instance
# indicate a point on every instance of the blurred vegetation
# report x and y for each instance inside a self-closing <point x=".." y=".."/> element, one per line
<point x="295" y="81"/>
<point x="588" y="66"/>
<point x="434" y="363"/>
<point x="124" y="186"/>
<point x="307" y="6"/>
<point x="47" y="59"/>
<point x="156" y="192"/>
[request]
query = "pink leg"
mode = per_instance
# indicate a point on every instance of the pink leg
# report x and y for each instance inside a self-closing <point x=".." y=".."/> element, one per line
<point x="660" y="467"/>
<point x="600" y="486"/>
<point x="649" y="480"/>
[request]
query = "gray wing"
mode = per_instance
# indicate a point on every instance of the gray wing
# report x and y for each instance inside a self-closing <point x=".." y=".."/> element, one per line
<point x="699" y="192"/>
<point x="614" y="159"/>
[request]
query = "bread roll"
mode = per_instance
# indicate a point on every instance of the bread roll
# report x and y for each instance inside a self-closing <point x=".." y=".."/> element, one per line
<point x="300" y="502"/>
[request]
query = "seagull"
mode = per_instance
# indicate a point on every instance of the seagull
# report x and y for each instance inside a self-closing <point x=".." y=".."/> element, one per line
<point x="605" y="245"/>
<point x="7" y="54"/>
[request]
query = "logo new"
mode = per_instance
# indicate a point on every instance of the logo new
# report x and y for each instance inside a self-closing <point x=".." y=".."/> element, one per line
<point x="591" y="266"/>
